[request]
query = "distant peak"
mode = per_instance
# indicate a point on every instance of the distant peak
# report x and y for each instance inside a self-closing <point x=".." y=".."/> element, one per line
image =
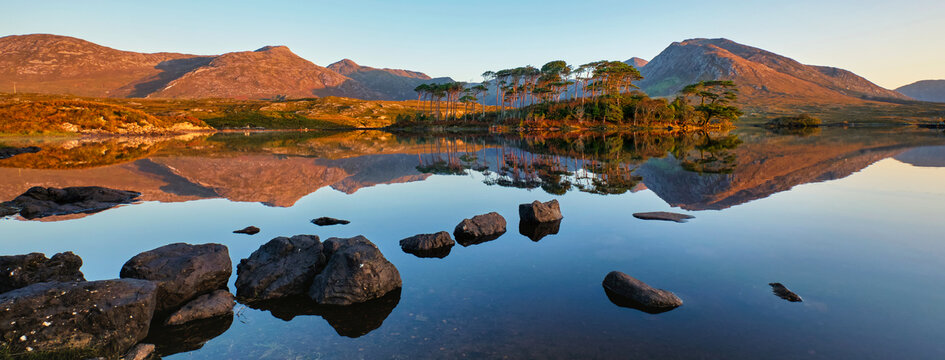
<point x="636" y="62"/>
<point x="272" y="48"/>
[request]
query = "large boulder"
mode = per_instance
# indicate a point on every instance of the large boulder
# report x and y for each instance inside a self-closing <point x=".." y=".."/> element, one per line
<point x="627" y="291"/>
<point x="479" y="229"/>
<point x="217" y="303"/>
<point x="539" y="212"/>
<point x="428" y="245"/>
<point x="19" y="271"/>
<point x="249" y="230"/>
<point x="281" y="267"/>
<point x="104" y="317"/>
<point x="40" y="202"/>
<point x="181" y="271"/>
<point x="356" y="272"/>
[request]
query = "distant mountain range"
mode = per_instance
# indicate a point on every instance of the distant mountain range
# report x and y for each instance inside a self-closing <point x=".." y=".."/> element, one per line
<point x="60" y="64"/>
<point x="925" y="90"/>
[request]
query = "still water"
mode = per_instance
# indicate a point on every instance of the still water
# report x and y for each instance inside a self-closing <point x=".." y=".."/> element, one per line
<point x="849" y="219"/>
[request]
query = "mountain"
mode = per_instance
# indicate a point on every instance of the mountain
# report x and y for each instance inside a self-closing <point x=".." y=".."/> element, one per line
<point x="43" y="63"/>
<point x="761" y="75"/>
<point x="392" y="84"/>
<point x="925" y="90"/>
<point x="636" y="62"/>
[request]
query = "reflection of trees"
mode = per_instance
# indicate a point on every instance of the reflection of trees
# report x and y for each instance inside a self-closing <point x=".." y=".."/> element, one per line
<point x="709" y="154"/>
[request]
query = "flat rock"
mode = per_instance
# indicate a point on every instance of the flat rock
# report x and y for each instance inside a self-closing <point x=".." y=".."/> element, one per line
<point x="38" y="202"/>
<point x="663" y="215"/>
<point x="8" y="152"/>
<point x="19" y="271"/>
<point x="107" y="317"/>
<point x="479" y="229"/>
<point x="217" y="303"/>
<point x="356" y="272"/>
<point x="537" y="231"/>
<point x="325" y="221"/>
<point x="540" y="212"/>
<point x="630" y="292"/>
<point x="181" y="271"/>
<point x="139" y="352"/>
<point x="281" y="267"/>
<point x="782" y="292"/>
<point x="249" y="230"/>
<point x="428" y="245"/>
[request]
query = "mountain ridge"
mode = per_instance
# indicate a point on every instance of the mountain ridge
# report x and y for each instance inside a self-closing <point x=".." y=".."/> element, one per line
<point x="925" y="90"/>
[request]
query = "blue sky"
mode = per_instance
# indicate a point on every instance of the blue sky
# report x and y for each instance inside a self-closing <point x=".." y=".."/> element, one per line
<point x="892" y="44"/>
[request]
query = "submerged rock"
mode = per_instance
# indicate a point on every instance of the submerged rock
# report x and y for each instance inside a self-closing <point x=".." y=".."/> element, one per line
<point x="19" y="271"/>
<point x="38" y="202"/>
<point x="325" y="221"/>
<point x="139" y="352"/>
<point x="351" y="321"/>
<point x="249" y="230"/>
<point x="479" y="229"/>
<point x="181" y="271"/>
<point x="782" y="292"/>
<point x="170" y="340"/>
<point x="282" y="267"/>
<point x="356" y="272"/>
<point x="627" y="291"/>
<point x="663" y="215"/>
<point x="217" y="303"/>
<point x="428" y="245"/>
<point x="537" y="231"/>
<point x="106" y="317"/>
<point x="8" y="152"/>
<point x="539" y="212"/>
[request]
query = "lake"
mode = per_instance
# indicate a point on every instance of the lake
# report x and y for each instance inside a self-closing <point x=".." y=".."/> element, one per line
<point x="849" y="219"/>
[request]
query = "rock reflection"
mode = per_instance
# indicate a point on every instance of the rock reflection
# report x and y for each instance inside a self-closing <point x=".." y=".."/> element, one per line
<point x="624" y="302"/>
<point x="351" y="321"/>
<point x="537" y="231"/>
<point x="169" y="340"/>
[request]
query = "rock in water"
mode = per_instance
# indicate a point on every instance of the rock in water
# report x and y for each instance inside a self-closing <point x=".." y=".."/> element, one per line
<point x="539" y="212"/>
<point x="662" y="215"/>
<point x="356" y="272"/>
<point x="537" y="231"/>
<point x="282" y="267"/>
<point x="638" y="294"/>
<point x="40" y="202"/>
<point x="249" y="230"/>
<point x="428" y="245"/>
<point x="139" y="352"/>
<point x="7" y="209"/>
<point x="479" y="229"/>
<point x="352" y="321"/>
<point x="18" y="271"/>
<point x="217" y="303"/>
<point x="181" y="271"/>
<point x="325" y="221"/>
<point x="782" y="292"/>
<point x="9" y="152"/>
<point x="107" y="317"/>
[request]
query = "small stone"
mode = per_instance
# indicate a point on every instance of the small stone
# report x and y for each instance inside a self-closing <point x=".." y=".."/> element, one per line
<point x="326" y="221"/>
<point x="428" y="245"/>
<point x="479" y="229"/>
<point x="249" y="230"/>
<point x="782" y="292"/>
<point x="663" y="215"/>
<point x="627" y="291"/>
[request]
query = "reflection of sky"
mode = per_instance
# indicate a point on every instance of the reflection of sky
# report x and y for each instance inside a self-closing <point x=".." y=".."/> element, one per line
<point x="864" y="252"/>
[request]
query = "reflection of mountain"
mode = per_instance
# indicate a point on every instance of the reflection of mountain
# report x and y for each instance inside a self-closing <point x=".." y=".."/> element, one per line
<point x="372" y="170"/>
<point x="926" y="156"/>
<point x="761" y="170"/>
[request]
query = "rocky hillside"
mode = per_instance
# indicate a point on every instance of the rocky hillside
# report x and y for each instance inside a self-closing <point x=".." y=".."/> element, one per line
<point x="55" y="64"/>
<point x="925" y="90"/>
<point x="761" y="75"/>
<point x="392" y="84"/>
<point x="636" y="62"/>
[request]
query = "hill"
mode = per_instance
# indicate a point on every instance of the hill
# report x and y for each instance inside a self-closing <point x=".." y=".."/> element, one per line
<point x="636" y="62"/>
<point x="925" y="90"/>
<point x="392" y="84"/>
<point x="762" y="76"/>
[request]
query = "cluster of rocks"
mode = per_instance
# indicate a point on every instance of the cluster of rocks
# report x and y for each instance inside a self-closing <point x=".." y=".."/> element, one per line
<point x="49" y="307"/>
<point x="39" y="202"/>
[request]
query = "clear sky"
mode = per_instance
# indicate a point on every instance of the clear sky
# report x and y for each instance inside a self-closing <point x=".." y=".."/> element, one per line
<point x="892" y="43"/>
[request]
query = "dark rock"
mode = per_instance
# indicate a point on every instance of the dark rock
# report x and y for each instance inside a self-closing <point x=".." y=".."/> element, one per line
<point x="352" y="321"/>
<point x="537" y="231"/>
<point x="139" y="352"/>
<point x="249" y="230"/>
<point x="325" y="221"/>
<point x="539" y="212"/>
<point x="217" y="303"/>
<point x="7" y="209"/>
<point x="18" y="271"/>
<point x="356" y="272"/>
<point x="784" y="293"/>
<point x="38" y="202"/>
<point x="8" y="152"/>
<point x="479" y="229"/>
<point x="662" y="215"/>
<point x="106" y="317"/>
<point x="181" y="271"/>
<point x="282" y="267"/>
<point x="170" y="340"/>
<point x="636" y="294"/>
<point x="428" y="245"/>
